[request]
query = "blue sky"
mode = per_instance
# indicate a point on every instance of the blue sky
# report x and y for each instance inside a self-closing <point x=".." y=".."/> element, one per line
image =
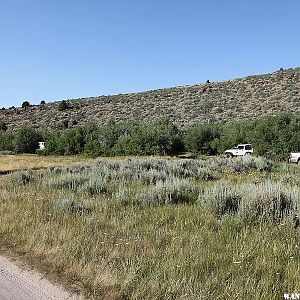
<point x="61" y="49"/>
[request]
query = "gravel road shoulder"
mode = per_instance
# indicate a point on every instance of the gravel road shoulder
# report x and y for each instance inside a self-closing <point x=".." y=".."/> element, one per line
<point x="18" y="283"/>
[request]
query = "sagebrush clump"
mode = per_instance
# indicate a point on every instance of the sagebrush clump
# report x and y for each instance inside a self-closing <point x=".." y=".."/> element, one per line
<point x="264" y="201"/>
<point x="22" y="177"/>
<point x="171" y="191"/>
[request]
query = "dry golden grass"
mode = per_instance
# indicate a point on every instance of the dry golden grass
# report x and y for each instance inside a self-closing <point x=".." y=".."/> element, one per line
<point x="9" y="163"/>
<point x="22" y="162"/>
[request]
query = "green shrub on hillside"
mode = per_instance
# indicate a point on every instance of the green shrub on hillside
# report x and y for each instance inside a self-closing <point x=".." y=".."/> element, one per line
<point x="25" y="104"/>
<point x="63" y="105"/>
<point x="3" y="126"/>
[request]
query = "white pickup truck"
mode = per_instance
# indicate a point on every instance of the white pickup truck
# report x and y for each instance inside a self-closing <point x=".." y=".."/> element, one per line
<point x="240" y="150"/>
<point x="294" y="157"/>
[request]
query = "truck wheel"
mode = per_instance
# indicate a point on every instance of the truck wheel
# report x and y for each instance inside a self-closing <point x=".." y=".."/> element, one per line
<point x="229" y="155"/>
<point x="298" y="162"/>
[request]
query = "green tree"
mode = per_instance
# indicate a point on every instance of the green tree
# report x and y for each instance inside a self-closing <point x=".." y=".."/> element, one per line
<point x="158" y="137"/>
<point x="25" y="104"/>
<point x="93" y="145"/>
<point x="72" y="141"/>
<point x="110" y="133"/>
<point x="202" y="138"/>
<point x="26" y="140"/>
<point x="6" y="141"/>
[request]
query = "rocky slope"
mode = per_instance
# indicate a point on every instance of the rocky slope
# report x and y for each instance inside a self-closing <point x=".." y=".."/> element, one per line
<point x="243" y="98"/>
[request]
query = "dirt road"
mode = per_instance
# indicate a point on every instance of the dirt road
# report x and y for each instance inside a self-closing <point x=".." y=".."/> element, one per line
<point x="18" y="283"/>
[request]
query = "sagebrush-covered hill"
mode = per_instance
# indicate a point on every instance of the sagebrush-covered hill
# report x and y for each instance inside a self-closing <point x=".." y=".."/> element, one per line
<point x="243" y="98"/>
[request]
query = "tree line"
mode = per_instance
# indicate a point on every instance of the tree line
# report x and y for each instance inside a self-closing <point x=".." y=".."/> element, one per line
<point x="271" y="136"/>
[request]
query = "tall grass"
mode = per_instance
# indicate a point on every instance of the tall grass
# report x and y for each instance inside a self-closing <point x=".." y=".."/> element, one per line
<point x="173" y="191"/>
<point x="154" y="229"/>
<point x="266" y="201"/>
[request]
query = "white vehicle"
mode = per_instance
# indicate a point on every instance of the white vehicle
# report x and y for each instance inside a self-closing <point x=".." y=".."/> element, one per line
<point x="41" y="145"/>
<point x="240" y="150"/>
<point x="294" y="157"/>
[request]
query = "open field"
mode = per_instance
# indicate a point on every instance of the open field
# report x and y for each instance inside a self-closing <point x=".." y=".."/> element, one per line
<point x="10" y="163"/>
<point x="159" y="228"/>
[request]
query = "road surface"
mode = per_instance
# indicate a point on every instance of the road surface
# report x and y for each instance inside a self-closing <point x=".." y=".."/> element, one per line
<point x="18" y="283"/>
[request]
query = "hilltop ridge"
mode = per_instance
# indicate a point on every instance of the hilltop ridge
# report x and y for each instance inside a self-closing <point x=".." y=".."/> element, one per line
<point x="232" y="100"/>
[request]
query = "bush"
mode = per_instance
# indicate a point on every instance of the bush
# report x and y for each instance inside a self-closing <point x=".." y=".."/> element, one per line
<point x="271" y="137"/>
<point x="63" y="105"/>
<point x="266" y="201"/>
<point x="123" y="195"/>
<point x="95" y="185"/>
<point x="155" y="138"/>
<point x="185" y="168"/>
<point x="69" y="205"/>
<point x="68" y="142"/>
<point x="6" y="152"/>
<point x="240" y="164"/>
<point x="159" y="137"/>
<point x="3" y="126"/>
<point x="6" y="141"/>
<point x="221" y="198"/>
<point x="248" y="162"/>
<point x="26" y="140"/>
<point x="201" y="137"/>
<point x="22" y="177"/>
<point x="65" y="180"/>
<point x="171" y="191"/>
<point x="25" y="104"/>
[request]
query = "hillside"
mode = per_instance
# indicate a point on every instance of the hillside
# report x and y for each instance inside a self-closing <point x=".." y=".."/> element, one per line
<point x="225" y="101"/>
